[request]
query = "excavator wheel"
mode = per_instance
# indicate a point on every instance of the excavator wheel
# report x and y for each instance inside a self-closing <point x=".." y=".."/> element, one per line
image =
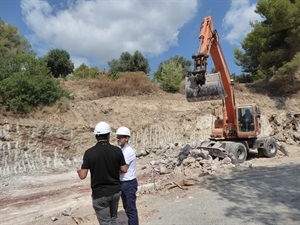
<point x="239" y="150"/>
<point x="270" y="148"/>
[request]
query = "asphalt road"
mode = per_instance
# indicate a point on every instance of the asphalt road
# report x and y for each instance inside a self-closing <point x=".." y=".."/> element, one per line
<point x="261" y="195"/>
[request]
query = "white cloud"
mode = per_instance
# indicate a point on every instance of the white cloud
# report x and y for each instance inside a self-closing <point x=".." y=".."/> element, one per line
<point x="237" y="20"/>
<point x="100" y="30"/>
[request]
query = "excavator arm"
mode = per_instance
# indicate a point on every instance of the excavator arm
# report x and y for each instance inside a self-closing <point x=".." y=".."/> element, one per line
<point x="206" y="37"/>
<point x="202" y="86"/>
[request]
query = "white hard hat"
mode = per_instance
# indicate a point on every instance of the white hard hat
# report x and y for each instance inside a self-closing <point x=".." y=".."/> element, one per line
<point x="123" y="131"/>
<point x="102" y="128"/>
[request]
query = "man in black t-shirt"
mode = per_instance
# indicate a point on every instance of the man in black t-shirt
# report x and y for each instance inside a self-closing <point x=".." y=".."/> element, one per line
<point x="105" y="162"/>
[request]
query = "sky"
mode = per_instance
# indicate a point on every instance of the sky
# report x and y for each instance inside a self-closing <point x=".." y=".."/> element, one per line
<point x="94" y="32"/>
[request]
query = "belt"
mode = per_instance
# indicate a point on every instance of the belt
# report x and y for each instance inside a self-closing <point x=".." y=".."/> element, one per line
<point x="125" y="181"/>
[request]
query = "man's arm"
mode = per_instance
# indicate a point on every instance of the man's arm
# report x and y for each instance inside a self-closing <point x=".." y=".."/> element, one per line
<point x="82" y="173"/>
<point x="124" y="168"/>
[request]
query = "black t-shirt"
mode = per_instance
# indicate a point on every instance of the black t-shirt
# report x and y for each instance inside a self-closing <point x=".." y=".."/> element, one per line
<point x="104" y="161"/>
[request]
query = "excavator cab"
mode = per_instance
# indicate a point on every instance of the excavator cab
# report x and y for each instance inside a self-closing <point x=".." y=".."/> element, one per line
<point x="248" y="122"/>
<point x="245" y="119"/>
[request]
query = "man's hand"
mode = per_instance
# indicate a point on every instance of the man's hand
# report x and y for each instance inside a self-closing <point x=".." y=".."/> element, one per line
<point x="82" y="173"/>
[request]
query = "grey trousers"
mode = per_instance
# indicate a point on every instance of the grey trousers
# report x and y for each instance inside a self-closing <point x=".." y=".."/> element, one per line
<point x="106" y="209"/>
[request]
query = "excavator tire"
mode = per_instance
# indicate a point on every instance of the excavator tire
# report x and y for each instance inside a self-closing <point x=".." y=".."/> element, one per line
<point x="239" y="150"/>
<point x="270" y="147"/>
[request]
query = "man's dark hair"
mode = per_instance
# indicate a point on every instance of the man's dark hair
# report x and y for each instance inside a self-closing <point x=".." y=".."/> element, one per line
<point x="102" y="137"/>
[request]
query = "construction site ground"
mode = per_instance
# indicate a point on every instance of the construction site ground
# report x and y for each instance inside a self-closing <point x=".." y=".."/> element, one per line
<point x="59" y="197"/>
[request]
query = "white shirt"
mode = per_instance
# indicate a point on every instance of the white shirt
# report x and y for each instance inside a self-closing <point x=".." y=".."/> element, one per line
<point x="130" y="159"/>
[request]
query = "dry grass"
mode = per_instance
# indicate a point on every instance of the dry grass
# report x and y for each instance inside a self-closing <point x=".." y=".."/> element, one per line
<point x="128" y="84"/>
<point x="240" y="87"/>
<point x="279" y="87"/>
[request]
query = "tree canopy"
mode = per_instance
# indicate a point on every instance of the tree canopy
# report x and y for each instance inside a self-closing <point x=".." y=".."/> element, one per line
<point x="130" y="63"/>
<point x="179" y="61"/>
<point x="171" y="76"/>
<point x="83" y="71"/>
<point x="273" y="42"/>
<point x="59" y="63"/>
<point x="14" y="50"/>
<point x="11" y="42"/>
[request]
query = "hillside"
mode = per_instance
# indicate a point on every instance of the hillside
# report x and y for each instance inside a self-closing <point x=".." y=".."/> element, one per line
<point x="63" y="132"/>
<point x="39" y="151"/>
<point x="157" y="121"/>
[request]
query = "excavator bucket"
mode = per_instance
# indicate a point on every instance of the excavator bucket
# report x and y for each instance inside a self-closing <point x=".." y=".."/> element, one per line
<point x="212" y="89"/>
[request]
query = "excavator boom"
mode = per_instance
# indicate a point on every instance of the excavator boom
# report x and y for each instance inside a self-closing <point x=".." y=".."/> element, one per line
<point x="201" y="86"/>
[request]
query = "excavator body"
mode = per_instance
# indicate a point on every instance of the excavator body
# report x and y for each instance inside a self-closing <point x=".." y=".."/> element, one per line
<point x="237" y="129"/>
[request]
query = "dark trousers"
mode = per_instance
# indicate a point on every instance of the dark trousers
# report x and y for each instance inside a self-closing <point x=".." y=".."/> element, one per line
<point x="129" y="189"/>
<point x="106" y="209"/>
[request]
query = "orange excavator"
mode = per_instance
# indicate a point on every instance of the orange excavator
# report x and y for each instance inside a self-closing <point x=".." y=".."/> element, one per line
<point x="237" y="130"/>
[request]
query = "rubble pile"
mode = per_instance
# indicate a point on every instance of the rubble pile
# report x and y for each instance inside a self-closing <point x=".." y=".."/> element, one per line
<point x="286" y="127"/>
<point x="176" y="167"/>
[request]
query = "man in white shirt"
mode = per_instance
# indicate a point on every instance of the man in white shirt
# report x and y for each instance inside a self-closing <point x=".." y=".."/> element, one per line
<point x="128" y="180"/>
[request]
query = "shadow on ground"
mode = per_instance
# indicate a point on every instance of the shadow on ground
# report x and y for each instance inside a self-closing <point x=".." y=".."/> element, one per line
<point x="265" y="195"/>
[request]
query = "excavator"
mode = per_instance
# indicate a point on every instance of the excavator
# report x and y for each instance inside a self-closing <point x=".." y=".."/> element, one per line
<point x="237" y="129"/>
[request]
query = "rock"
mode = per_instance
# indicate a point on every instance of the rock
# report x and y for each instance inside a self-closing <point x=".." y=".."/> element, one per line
<point x="142" y="153"/>
<point x="189" y="172"/>
<point x="226" y="161"/>
<point x="185" y="151"/>
<point x="164" y="170"/>
<point x="67" y="212"/>
<point x="153" y="162"/>
<point x="296" y="136"/>
<point x="189" y="160"/>
<point x="203" y="172"/>
<point x="54" y="218"/>
<point x="215" y="167"/>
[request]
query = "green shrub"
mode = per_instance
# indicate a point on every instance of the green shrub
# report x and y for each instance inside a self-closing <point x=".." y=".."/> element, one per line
<point x="83" y="71"/>
<point x="113" y="75"/>
<point x="22" y="93"/>
<point x="171" y="77"/>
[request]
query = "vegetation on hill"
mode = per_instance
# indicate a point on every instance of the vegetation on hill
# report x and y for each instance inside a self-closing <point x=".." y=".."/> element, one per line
<point x="25" y="81"/>
<point x="83" y="71"/>
<point x="271" y="50"/>
<point x="127" y="84"/>
<point x="59" y="62"/>
<point x="270" y="58"/>
<point x="127" y="62"/>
